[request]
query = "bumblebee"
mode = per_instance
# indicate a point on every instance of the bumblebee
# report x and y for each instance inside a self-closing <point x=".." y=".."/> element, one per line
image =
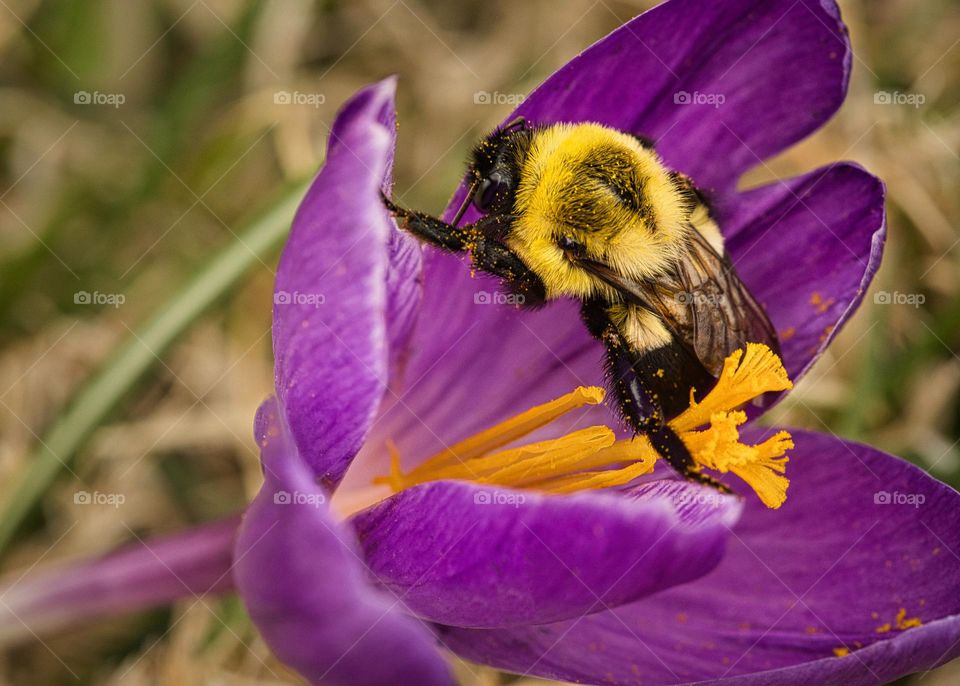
<point x="588" y="212"/>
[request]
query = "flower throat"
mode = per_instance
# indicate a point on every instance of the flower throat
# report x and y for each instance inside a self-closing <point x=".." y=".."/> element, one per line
<point x="593" y="457"/>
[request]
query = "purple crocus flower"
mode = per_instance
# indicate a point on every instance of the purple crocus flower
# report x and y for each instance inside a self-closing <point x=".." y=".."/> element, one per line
<point x="853" y="580"/>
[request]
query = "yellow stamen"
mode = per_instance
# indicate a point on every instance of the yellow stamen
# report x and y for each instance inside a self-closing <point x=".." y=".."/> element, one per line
<point x="745" y="376"/>
<point x="516" y="427"/>
<point x="592" y="458"/>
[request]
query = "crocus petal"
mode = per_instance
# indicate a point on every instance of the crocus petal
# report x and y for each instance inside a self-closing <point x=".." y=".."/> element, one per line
<point x="808" y="247"/>
<point x="329" y="330"/>
<point x="470" y="555"/>
<point x="303" y="582"/>
<point x="496" y="361"/>
<point x="695" y="76"/>
<point x="142" y="575"/>
<point x="865" y="544"/>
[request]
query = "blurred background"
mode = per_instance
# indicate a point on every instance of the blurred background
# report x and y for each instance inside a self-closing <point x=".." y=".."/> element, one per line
<point x="139" y="139"/>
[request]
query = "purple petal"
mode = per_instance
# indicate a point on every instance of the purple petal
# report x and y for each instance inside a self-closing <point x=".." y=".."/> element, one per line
<point x="404" y="292"/>
<point x="718" y="86"/>
<point x="142" y="575"/>
<point x="303" y="582"/>
<point x="470" y="555"/>
<point x="862" y="537"/>
<point x="472" y="365"/>
<point x="334" y="286"/>
<point x="808" y="247"/>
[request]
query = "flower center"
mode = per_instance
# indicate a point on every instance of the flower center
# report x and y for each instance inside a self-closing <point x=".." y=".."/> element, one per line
<point x="594" y="458"/>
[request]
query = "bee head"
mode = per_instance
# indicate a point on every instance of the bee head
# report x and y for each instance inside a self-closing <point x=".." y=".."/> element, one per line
<point x="495" y="168"/>
<point x="602" y="194"/>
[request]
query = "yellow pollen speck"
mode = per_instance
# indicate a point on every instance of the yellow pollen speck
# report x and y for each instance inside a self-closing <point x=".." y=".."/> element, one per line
<point x="904" y="623"/>
<point x="593" y="458"/>
<point x="901" y="622"/>
<point x="788" y="333"/>
<point x="821" y="304"/>
<point x="841" y="652"/>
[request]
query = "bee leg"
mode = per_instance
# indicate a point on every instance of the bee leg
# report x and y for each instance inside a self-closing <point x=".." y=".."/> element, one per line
<point x="645" y="415"/>
<point x="488" y="255"/>
<point x="666" y="442"/>
<point x="495" y="258"/>
<point x="429" y="229"/>
<point x="638" y="402"/>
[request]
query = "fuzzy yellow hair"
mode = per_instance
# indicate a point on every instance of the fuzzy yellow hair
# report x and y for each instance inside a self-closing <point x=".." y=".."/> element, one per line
<point x="608" y="192"/>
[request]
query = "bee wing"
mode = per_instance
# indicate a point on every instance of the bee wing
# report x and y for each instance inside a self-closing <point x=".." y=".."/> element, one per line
<point x="703" y="302"/>
<point x="722" y="314"/>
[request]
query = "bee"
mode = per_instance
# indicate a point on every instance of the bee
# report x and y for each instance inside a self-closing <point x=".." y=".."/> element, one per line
<point x="588" y="212"/>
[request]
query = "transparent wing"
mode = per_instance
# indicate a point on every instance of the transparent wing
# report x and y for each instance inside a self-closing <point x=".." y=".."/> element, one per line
<point x="702" y="300"/>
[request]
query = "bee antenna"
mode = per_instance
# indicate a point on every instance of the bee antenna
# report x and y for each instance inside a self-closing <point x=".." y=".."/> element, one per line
<point x="471" y="189"/>
<point x="519" y="123"/>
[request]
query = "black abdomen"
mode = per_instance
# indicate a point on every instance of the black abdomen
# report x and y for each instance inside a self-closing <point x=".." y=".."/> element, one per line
<point x="670" y="372"/>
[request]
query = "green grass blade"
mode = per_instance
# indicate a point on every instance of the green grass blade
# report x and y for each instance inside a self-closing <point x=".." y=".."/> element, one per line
<point x="58" y="449"/>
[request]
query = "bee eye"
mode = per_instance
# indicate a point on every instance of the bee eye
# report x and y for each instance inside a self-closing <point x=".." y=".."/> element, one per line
<point x="491" y="189"/>
<point x="570" y="245"/>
